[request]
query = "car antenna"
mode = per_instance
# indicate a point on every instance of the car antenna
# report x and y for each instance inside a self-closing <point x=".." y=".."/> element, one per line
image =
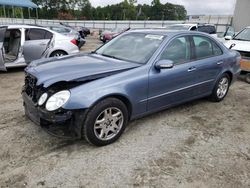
<point x="232" y="45"/>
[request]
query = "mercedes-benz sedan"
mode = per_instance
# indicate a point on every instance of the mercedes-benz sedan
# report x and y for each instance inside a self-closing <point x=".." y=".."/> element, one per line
<point x="94" y="95"/>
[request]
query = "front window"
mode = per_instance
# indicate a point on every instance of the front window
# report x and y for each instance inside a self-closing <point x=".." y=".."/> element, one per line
<point x="134" y="47"/>
<point x="178" y="51"/>
<point x="243" y="35"/>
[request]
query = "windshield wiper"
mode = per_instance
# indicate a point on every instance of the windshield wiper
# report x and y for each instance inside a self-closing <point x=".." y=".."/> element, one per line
<point x="111" y="56"/>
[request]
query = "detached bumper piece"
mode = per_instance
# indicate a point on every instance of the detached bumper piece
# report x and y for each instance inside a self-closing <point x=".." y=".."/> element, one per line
<point x="61" y="123"/>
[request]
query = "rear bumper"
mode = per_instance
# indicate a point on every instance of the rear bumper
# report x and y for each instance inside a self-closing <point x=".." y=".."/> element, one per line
<point x="61" y="123"/>
<point x="80" y="42"/>
<point x="236" y="75"/>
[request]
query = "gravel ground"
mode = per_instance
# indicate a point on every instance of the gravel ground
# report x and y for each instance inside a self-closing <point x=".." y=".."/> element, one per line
<point x="198" y="144"/>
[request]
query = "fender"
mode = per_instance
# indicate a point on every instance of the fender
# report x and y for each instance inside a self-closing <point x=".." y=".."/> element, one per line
<point x="86" y="95"/>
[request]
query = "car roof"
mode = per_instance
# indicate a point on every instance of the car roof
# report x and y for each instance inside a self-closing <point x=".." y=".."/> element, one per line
<point x="13" y="26"/>
<point x="62" y="26"/>
<point x="18" y="26"/>
<point x="186" y="24"/>
<point x="163" y="32"/>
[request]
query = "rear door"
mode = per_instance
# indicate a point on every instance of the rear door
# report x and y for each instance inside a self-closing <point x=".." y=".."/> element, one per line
<point x="208" y="59"/>
<point x="36" y="43"/>
<point x="2" y="34"/>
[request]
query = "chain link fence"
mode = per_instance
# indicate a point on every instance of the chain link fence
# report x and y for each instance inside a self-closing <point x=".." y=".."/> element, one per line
<point x="221" y="22"/>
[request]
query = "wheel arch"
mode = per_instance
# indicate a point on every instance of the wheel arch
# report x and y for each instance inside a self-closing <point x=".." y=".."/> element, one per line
<point x="120" y="97"/>
<point x="230" y="74"/>
<point x="58" y="50"/>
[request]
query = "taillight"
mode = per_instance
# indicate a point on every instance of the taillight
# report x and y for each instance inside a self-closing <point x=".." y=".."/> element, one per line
<point x="74" y="42"/>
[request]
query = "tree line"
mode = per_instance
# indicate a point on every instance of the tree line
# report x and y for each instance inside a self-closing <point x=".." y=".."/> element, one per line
<point x="126" y="10"/>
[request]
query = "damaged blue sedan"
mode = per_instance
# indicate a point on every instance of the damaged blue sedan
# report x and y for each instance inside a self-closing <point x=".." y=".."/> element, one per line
<point x="95" y="95"/>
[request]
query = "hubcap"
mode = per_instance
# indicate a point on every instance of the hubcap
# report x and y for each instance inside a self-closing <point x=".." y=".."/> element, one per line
<point x="58" y="54"/>
<point x="222" y="87"/>
<point x="108" y="124"/>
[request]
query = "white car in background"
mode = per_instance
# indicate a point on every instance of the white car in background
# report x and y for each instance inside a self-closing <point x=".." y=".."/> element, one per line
<point x="21" y="44"/>
<point x="205" y="28"/>
<point x="241" y="43"/>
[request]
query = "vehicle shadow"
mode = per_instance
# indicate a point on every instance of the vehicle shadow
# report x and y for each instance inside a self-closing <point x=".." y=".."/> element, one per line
<point x="13" y="70"/>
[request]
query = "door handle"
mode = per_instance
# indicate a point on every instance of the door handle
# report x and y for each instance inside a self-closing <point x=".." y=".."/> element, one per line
<point x="220" y="62"/>
<point x="191" y="69"/>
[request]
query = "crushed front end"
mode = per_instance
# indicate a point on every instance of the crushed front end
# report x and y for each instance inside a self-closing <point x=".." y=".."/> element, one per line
<point x="60" y="122"/>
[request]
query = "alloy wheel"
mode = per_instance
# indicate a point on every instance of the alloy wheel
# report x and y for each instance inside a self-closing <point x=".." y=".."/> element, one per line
<point x="223" y="87"/>
<point x="108" y="123"/>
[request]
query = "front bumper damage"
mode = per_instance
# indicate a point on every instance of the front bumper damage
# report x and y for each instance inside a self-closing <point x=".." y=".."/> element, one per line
<point x="61" y="123"/>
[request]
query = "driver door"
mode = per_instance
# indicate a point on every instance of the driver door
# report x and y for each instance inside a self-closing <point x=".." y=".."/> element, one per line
<point x="36" y="43"/>
<point x="2" y="35"/>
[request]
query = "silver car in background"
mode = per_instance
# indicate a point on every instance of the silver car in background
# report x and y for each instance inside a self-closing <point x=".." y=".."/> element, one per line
<point x="68" y="31"/>
<point x="21" y="44"/>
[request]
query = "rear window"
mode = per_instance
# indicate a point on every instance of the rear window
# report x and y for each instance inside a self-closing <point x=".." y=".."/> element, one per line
<point x="207" y="29"/>
<point x="37" y="34"/>
<point x="48" y="35"/>
<point x="204" y="47"/>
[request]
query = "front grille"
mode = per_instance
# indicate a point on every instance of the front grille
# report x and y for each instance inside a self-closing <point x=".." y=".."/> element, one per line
<point x="245" y="55"/>
<point x="30" y="87"/>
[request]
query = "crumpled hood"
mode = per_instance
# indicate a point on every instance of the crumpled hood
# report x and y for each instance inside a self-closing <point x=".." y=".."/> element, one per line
<point x="81" y="67"/>
<point x="239" y="45"/>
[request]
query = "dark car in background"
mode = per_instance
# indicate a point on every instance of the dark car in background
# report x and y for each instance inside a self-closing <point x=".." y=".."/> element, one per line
<point x="108" y="35"/>
<point x="137" y="73"/>
<point x="205" y="28"/>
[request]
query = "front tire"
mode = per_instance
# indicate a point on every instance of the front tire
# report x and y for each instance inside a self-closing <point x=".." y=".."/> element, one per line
<point x="105" y="122"/>
<point x="248" y="78"/>
<point x="221" y="88"/>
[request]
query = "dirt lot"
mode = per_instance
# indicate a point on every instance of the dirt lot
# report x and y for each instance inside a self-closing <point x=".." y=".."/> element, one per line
<point x="199" y="144"/>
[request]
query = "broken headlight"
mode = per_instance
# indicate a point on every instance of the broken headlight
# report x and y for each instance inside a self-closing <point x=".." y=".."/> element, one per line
<point x="42" y="99"/>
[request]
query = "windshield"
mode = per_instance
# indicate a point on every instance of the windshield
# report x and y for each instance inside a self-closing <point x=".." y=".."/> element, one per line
<point x="134" y="47"/>
<point x="243" y="35"/>
<point x="117" y="30"/>
<point x="178" y="27"/>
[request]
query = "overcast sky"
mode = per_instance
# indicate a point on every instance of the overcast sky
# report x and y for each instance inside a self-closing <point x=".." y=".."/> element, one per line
<point x="221" y="7"/>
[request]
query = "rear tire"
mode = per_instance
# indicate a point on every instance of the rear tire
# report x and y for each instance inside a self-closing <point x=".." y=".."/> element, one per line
<point x="221" y="88"/>
<point x="58" y="53"/>
<point x="248" y="78"/>
<point x="105" y="122"/>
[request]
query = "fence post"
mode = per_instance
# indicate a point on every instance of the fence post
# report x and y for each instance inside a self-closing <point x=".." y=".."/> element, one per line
<point x="217" y="23"/>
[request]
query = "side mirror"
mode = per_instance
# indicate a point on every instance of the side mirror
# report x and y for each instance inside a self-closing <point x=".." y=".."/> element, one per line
<point x="164" y="64"/>
<point x="228" y="37"/>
